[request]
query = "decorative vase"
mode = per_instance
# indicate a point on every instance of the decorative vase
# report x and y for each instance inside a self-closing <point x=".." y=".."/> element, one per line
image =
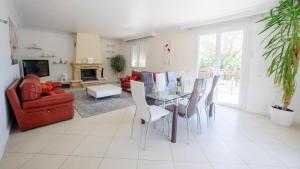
<point x="89" y="60"/>
<point x="281" y="117"/>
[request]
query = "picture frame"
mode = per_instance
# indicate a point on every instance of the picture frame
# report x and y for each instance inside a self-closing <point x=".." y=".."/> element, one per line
<point x="13" y="41"/>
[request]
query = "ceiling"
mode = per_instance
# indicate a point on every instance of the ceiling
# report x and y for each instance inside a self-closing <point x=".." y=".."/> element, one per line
<point x="123" y="18"/>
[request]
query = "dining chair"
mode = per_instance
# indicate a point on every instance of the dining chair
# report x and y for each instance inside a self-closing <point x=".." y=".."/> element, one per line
<point x="202" y="100"/>
<point x="160" y="81"/>
<point x="147" y="78"/>
<point x="190" y="109"/>
<point x="143" y="111"/>
<point x="171" y="80"/>
<point x="210" y="104"/>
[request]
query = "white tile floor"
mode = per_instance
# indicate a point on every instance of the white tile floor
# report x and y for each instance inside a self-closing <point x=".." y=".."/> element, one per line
<point x="235" y="140"/>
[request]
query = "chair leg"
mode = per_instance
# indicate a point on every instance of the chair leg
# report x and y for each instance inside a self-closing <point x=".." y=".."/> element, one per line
<point x="169" y="125"/>
<point x="199" y="123"/>
<point x="146" y="135"/>
<point x="188" y="129"/>
<point x="132" y="124"/>
<point x="207" y="116"/>
<point x="164" y="118"/>
<point x="214" y="109"/>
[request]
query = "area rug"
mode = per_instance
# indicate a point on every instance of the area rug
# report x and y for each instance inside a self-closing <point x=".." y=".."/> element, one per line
<point x="86" y="105"/>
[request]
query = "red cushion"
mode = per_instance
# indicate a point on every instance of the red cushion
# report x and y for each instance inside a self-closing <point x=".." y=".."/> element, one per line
<point x="136" y="73"/>
<point x="49" y="84"/>
<point x="45" y="101"/>
<point x="134" y="77"/>
<point x="30" y="89"/>
<point x="58" y="90"/>
<point x="31" y="76"/>
<point x="51" y="93"/>
<point x="45" y="89"/>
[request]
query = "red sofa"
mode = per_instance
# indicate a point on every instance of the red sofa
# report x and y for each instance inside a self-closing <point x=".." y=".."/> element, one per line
<point x="33" y="110"/>
<point x="125" y="81"/>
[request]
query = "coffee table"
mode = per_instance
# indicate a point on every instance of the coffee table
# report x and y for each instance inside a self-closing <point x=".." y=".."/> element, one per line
<point x="105" y="90"/>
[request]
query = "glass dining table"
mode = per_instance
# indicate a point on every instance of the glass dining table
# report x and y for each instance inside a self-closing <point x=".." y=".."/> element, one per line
<point x="169" y="97"/>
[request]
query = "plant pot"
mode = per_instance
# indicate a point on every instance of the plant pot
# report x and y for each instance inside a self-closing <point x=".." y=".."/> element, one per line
<point x="281" y="117"/>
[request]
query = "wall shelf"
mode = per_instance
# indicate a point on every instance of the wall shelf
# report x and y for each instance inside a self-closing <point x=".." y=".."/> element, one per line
<point x="61" y="63"/>
<point x="34" y="48"/>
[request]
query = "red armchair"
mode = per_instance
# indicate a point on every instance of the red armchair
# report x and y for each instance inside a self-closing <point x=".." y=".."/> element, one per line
<point x="125" y="81"/>
<point x="36" y="110"/>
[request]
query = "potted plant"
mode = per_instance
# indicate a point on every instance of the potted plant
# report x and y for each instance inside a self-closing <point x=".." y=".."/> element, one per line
<point x="283" y="49"/>
<point x="117" y="64"/>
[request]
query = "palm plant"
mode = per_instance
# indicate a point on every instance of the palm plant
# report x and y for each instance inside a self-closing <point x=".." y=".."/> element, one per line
<point x="283" y="46"/>
<point x="117" y="63"/>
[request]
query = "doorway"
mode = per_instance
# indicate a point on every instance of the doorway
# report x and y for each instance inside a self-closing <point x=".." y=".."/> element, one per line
<point x="221" y="53"/>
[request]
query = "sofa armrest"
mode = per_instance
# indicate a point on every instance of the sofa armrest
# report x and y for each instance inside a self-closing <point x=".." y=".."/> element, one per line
<point x="49" y="101"/>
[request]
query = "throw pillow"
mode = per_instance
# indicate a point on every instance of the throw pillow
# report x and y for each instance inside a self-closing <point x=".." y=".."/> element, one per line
<point x="45" y="89"/>
<point x="30" y="89"/>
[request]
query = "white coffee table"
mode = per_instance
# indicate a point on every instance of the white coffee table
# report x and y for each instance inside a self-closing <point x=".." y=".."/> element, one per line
<point x="104" y="90"/>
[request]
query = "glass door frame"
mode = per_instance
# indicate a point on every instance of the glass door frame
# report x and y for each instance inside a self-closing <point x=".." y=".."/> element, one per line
<point x="243" y="76"/>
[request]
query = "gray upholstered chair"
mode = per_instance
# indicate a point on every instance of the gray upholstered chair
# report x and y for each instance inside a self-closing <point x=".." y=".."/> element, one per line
<point x="171" y="79"/>
<point x="147" y="78"/>
<point x="190" y="109"/>
<point x="210" y="104"/>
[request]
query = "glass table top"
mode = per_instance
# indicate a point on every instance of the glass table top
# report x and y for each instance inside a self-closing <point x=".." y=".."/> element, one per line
<point x="168" y="94"/>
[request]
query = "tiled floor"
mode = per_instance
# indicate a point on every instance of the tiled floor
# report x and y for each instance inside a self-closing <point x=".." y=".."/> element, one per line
<point x="235" y="140"/>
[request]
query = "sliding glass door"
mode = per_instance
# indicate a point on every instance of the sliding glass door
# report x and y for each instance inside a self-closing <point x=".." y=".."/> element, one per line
<point x="220" y="53"/>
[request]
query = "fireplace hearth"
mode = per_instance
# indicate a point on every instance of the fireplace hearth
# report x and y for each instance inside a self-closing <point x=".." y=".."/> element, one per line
<point x="88" y="74"/>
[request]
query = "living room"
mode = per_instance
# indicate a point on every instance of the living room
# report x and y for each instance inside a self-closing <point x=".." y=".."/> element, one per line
<point x="149" y="84"/>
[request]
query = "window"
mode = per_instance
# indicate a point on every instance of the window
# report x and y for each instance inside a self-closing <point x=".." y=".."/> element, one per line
<point x="138" y="55"/>
<point x="221" y="53"/>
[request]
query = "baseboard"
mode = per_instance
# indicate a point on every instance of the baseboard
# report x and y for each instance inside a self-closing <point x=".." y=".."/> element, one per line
<point x="3" y="142"/>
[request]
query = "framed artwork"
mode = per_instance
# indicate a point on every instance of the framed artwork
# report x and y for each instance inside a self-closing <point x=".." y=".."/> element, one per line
<point x="167" y="53"/>
<point x="13" y="42"/>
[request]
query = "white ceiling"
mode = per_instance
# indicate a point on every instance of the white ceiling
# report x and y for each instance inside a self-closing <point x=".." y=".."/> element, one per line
<point x="123" y="18"/>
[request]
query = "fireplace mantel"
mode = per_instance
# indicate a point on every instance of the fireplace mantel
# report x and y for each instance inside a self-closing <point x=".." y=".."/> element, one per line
<point x="76" y="69"/>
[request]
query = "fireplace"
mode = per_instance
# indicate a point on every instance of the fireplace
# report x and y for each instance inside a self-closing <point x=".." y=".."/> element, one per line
<point x="84" y="73"/>
<point x="88" y="74"/>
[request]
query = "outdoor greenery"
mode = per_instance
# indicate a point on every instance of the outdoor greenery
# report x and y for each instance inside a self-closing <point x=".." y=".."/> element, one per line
<point x="283" y="46"/>
<point x="117" y="63"/>
<point x="230" y="57"/>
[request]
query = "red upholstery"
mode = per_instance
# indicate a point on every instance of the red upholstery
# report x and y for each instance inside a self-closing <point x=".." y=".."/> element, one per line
<point x="42" y="111"/>
<point x="32" y="76"/>
<point x="30" y="89"/>
<point x="125" y="81"/>
<point x="49" y="100"/>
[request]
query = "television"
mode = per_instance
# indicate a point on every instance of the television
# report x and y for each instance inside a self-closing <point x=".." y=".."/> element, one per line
<point x="37" y="67"/>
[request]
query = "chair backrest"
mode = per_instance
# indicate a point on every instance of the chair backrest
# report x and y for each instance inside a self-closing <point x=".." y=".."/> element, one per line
<point x="171" y="80"/>
<point x="193" y="101"/>
<point x="147" y="78"/>
<point x="208" y="84"/>
<point x="138" y="94"/>
<point x="160" y="81"/>
<point x="210" y="97"/>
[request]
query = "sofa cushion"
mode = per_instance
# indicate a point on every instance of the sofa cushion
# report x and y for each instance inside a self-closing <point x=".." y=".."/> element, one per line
<point x="136" y="73"/>
<point x="58" y="90"/>
<point x="49" y="101"/>
<point x="30" y="89"/>
<point x="32" y="76"/>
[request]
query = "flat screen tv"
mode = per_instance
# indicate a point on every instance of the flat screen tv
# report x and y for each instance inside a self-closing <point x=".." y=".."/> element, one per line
<point x="37" y="67"/>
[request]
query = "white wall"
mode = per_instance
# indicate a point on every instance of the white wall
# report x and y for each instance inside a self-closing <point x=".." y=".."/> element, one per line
<point x="8" y="72"/>
<point x="88" y="46"/>
<point x="109" y="48"/>
<point x="59" y="44"/>
<point x="183" y="52"/>
<point x="258" y="91"/>
<point x="62" y="45"/>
